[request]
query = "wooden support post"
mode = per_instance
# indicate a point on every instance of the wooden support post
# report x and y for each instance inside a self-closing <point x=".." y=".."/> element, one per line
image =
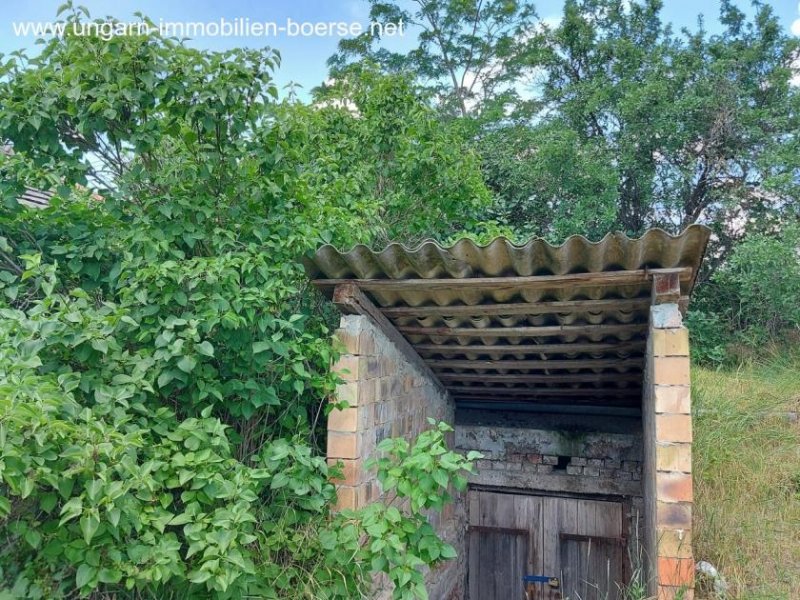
<point x="351" y="300"/>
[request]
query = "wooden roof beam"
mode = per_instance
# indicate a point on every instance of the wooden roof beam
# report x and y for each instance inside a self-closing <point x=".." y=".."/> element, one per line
<point x="523" y="332"/>
<point x="565" y="348"/>
<point x="542" y="392"/>
<point x="532" y="282"/>
<point x="543" y="378"/>
<point x="600" y="363"/>
<point x="351" y="300"/>
<point x="519" y="308"/>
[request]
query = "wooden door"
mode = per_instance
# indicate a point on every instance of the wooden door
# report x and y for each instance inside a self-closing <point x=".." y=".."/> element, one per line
<point x="578" y="541"/>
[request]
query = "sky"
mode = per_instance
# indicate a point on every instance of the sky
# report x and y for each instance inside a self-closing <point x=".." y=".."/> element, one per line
<point x="304" y="57"/>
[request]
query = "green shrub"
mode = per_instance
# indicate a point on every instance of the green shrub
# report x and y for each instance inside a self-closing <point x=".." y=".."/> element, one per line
<point x="761" y="285"/>
<point x="164" y="368"/>
<point x="752" y="299"/>
<point x="709" y="337"/>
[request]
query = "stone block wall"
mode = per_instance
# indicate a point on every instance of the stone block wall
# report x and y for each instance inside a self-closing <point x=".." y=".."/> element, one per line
<point x="530" y="457"/>
<point x="667" y="425"/>
<point x="388" y="396"/>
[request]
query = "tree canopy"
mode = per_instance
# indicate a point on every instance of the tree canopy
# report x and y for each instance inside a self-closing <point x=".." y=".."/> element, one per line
<point x="164" y="368"/>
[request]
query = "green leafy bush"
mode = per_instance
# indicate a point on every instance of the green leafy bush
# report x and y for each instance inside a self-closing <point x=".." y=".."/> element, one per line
<point x="751" y="300"/>
<point x="164" y="368"/>
<point x="709" y="337"/>
<point x="761" y="284"/>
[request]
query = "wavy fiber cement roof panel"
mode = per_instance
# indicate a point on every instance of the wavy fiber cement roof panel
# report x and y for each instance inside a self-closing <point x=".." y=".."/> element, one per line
<point x="602" y="322"/>
<point x="465" y="259"/>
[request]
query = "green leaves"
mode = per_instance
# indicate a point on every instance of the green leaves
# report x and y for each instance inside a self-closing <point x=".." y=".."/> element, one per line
<point x="84" y="575"/>
<point x="400" y="540"/>
<point x="89" y="524"/>
<point x="187" y="364"/>
<point x="162" y="361"/>
<point x="205" y="348"/>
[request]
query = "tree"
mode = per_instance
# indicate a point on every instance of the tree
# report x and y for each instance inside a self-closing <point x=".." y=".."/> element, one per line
<point x="162" y="362"/>
<point x="676" y="128"/>
<point x="468" y="55"/>
<point x="377" y="140"/>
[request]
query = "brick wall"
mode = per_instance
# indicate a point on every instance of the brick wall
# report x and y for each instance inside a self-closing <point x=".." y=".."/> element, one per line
<point x="668" y="455"/>
<point x="387" y="397"/>
<point x="560" y="460"/>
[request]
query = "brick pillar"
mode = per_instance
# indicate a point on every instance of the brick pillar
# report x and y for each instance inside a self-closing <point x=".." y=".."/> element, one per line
<point x="668" y="454"/>
<point x="348" y="441"/>
<point x="388" y="396"/>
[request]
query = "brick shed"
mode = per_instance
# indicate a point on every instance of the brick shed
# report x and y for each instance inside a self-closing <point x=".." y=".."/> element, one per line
<point x="566" y="366"/>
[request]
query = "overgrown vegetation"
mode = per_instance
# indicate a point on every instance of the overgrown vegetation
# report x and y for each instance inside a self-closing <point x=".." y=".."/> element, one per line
<point x="164" y="368"/>
<point x="747" y="470"/>
<point x="751" y="300"/>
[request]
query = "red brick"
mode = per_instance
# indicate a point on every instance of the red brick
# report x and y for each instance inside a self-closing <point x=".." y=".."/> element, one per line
<point x="343" y="420"/>
<point x="666" y="592"/>
<point x="666" y="287"/>
<point x="366" y="341"/>
<point x="349" y="367"/>
<point x="673" y="428"/>
<point x="670" y="342"/>
<point x="676" y="572"/>
<point x="352" y="471"/>
<point x="674" y="487"/>
<point x="348" y="340"/>
<point x="348" y="392"/>
<point x="345" y="498"/>
<point x="368" y="492"/>
<point x="676" y="543"/>
<point x="674" y="457"/>
<point x="670" y="515"/>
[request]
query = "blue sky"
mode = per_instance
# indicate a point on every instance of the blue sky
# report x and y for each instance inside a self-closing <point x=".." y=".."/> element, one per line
<point x="304" y="57"/>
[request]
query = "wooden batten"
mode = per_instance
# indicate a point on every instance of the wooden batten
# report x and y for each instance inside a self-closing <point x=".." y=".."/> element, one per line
<point x="527" y="332"/>
<point x="533" y="282"/>
<point x="609" y="363"/>
<point x="519" y="308"/>
<point x="533" y="349"/>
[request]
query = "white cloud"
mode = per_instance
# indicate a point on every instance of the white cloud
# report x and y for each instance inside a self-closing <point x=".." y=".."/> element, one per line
<point x="796" y="27"/>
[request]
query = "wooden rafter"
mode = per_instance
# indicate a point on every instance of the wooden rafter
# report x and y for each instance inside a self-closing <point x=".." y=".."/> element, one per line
<point x="533" y="282"/>
<point x="541" y="392"/>
<point x="627" y="402"/>
<point x="350" y="300"/>
<point x="519" y="308"/>
<point x="588" y="348"/>
<point x="524" y="332"/>
<point x="543" y="378"/>
<point x="600" y="363"/>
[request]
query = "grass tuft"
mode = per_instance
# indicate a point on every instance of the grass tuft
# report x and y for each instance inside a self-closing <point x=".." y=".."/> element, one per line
<point x="747" y="474"/>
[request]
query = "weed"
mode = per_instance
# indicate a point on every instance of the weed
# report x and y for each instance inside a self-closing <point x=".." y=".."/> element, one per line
<point x="747" y="471"/>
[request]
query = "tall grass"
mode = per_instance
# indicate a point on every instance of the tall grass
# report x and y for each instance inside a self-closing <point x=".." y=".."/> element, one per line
<point x="747" y="476"/>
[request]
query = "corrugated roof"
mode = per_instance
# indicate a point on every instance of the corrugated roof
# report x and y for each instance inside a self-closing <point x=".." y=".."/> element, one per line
<point x="526" y="323"/>
<point x="35" y="198"/>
